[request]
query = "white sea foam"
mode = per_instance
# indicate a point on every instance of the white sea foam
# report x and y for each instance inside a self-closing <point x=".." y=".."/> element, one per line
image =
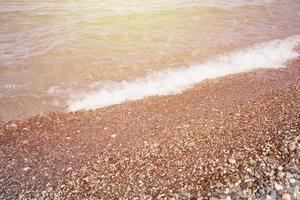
<point x="271" y="54"/>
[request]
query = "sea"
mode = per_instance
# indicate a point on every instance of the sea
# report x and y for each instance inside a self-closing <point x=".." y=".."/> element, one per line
<point x="70" y="55"/>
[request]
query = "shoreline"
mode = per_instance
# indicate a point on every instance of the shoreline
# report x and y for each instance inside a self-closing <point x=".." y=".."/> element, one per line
<point x="172" y="145"/>
<point x="96" y="94"/>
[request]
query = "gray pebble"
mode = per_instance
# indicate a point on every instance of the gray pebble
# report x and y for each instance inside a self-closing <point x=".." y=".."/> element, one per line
<point x="273" y="195"/>
<point x="222" y="195"/>
<point x="262" y="191"/>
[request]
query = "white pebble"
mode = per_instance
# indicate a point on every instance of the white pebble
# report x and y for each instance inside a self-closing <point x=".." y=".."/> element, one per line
<point x="278" y="186"/>
<point x="26" y="169"/>
<point x="231" y="161"/>
<point x="286" y="197"/>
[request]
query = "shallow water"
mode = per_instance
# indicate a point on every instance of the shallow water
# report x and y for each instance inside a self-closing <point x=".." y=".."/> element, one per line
<point x="53" y="53"/>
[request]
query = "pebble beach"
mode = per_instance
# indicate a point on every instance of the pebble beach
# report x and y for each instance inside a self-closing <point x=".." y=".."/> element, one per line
<point x="147" y="99"/>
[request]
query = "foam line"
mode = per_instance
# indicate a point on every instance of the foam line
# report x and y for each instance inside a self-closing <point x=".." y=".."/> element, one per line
<point x="272" y="54"/>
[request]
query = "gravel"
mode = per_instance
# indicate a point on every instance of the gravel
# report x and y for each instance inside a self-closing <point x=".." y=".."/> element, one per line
<point x="230" y="138"/>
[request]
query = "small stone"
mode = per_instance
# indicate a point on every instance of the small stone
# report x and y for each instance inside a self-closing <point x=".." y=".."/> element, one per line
<point x="26" y="169"/>
<point x="286" y="197"/>
<point x="246" y="193"/>
<point x="292" y="181"/>
<point x="227" y="190"/>
<point x="262" y="191"/>
<point x="69" y="169"/>
<point x="222" y="195"/>
<point x="280" y="175"/>
<point x="234" y="195"/>
<point x="219" y="185"/>
<point x="273" y="195"/>
<point x="86" y="179"/>
<point x="114" y="135"/>
<point x="186" y="195"/>
<point x="233" y="179"/>
<point x="25" y="129"/>
<point x="268" y="197"/>
<point x="231" y="161"/>
<point x="296" y="191"/>
<point x="280" y="168"/>
<point x="297" y="139"/>
<point x="289" y="175"/>
<point x="13" y="125"/>
<point x="292" y="147"/>
<point x="228" y="198"/>
<point x="297" y="155"/>
<point x="278" y="186"/>
<point x="25" y="142"/>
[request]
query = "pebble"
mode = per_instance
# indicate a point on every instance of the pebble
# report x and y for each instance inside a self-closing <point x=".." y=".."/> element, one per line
<point x="289" y="175"/>
<point x="263" y="174"/>
<point x="186" y="195"/>
<point x="292" y="147"/>
<point x="292" y="181"/>
<point x="13" y="125"/>
<point x="219" y="185"/>
<point x="268" y="197"/>
<point x="297" y="191"/>
<point x="262" y="191"/>
<point x="246" y="192"/>
<point x="286" y="197"/>
<point x="278" y="186"/>
<point x="280" y="175"/>
<point x="69" y="169"/>
<point x="26" y="169"/>
<point x="231" y="161"/>
<point x="25" y="142"/>
<point x="222" y="195"/>
<point x="273" y="195"/>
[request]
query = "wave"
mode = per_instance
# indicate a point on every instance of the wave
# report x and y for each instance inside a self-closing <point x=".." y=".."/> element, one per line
<point x="272" y="54"/>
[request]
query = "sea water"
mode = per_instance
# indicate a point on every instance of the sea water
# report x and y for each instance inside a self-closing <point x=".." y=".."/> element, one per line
<point x="70" y="55"/>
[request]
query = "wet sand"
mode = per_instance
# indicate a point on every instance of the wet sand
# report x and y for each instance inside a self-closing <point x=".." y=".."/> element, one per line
<point x="209" y="141"/>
